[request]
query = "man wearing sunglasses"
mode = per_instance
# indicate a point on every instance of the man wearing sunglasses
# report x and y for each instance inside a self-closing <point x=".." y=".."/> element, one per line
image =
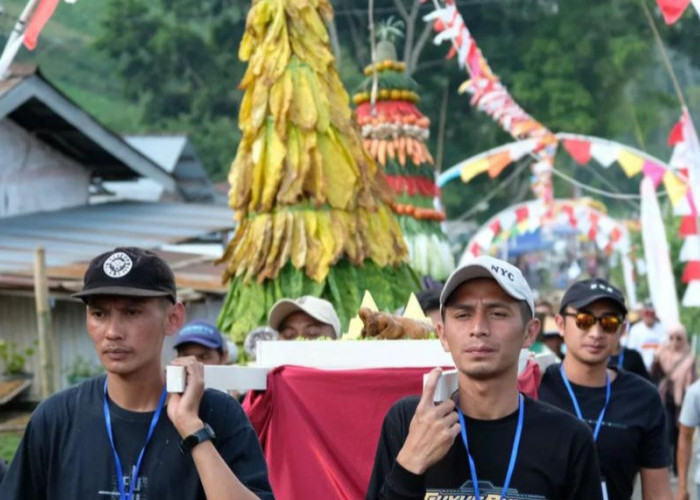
<point x="623" y="410"/>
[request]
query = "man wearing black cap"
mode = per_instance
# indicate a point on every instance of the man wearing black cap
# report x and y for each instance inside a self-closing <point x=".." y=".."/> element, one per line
<point x="624" y="410"/>
<point x="115" y="436"/>
<point x="487" y="440"/>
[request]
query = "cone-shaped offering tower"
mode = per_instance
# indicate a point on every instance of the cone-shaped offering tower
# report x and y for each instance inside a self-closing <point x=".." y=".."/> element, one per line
<point x="395" y="135"/>
<point x="313" y="208"/>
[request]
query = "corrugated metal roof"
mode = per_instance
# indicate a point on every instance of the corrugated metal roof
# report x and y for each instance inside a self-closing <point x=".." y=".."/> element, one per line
<point x="76" y="235"/>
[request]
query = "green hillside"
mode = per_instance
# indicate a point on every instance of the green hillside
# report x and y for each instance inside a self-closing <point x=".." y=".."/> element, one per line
<point x="66" y="56"/>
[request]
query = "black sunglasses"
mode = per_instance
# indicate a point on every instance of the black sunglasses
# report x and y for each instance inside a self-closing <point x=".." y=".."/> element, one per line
<point x="585" y="321"/>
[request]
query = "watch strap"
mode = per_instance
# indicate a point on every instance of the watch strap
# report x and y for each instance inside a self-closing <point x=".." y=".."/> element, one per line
<point x="206" y="433"/>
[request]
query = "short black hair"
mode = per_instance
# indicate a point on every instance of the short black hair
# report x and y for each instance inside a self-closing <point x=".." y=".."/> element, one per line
<point x="429" y="299"/>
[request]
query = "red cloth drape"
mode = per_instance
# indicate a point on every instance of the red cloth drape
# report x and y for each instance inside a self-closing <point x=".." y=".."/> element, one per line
<point x="319" y="428"/>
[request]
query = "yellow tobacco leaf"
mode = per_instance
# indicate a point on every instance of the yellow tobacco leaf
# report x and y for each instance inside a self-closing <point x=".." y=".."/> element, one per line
<point x="258" y="176"/>
<point x="290" y="187"/>
<point x="240" y="179"/>
<point x="280" y="99"/>
<point x="299" y="240"/>
<point x="275" y="152"/>
<point x="331" y="248"/>
<point x="314" y="24"/>
<point x="302" y="111"/>
<point x="287" y="219"/>
<point x="340" y="176"/>
<point x="315" y="183"/>
<point x="270" y="269"/>
<point x="314" y="254"/>
<point x="258" y="105"/>
<point x="320" y="101"/>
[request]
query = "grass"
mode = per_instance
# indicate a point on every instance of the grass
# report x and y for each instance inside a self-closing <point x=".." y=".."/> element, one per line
<point x="9" y="441"/>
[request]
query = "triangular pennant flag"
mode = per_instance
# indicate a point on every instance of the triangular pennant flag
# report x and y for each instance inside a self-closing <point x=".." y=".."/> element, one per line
<point x="521" y="214"/>
<point x="579" y="150"/>
<point x="672" y="10"/>
<point x="691" y="271"/>
<point x="498" y="162"/>
<point x="474" y="168"/>
<point x="495" y="226"/>
<point x="521" y="148"/>
<point x="354" y="329"/>
<point x="683" y="206"/>
<point x="41" y="16"/>
<point x="654" y="171"/>
<point x="604" y="153"/>
<point x="690" y="249"/>
<point x="675" y="187"/>
<point x="507" y="219"/>
<point x="630" y="162"/>
<point x="691" y="297"/>
<point x="368" y="302"/>
<point x="413" y="309"/>
<point x="689" y="226"/>
<point x="676" y="134"/>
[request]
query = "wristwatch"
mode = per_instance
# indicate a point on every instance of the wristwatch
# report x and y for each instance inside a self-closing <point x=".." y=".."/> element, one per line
<point x="206" y="433"/>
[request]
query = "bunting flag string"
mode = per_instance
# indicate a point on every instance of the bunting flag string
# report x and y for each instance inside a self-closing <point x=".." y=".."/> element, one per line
<point x="686" y="159"/>
<point x="672" y="10"/>
<point x="608" y="234"/>
<point x="491" y="97"/>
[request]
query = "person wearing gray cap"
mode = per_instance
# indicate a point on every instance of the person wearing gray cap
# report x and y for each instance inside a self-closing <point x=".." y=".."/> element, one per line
<point x="624" y="410"/>
<point x="116" y="435"/>
<point x="307" y="317"/>
<point x="509" y="446"/>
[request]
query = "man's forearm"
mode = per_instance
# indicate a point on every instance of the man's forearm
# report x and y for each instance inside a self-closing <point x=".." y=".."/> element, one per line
<point x="685" y="445"/>
<point x="218" y="480"/>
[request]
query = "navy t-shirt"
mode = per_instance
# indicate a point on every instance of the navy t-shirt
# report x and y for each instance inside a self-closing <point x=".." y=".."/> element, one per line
<point x="65" y="453"/>
<point x="633" y="432"/>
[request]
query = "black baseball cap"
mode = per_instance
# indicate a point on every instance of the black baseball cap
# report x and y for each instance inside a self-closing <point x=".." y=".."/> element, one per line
<point x="583" y="293"/>
<point x="129" y="272"/>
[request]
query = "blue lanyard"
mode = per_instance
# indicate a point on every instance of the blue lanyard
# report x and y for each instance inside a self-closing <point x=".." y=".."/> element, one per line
<point x="577" y="408"/>
<point x="621" y="357"/>
<point x="513" y="453"/>
<point x="108" y="422"/>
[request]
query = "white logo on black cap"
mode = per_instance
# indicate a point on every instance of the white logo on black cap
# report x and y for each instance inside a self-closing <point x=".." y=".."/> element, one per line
<point x="117" y="265"/>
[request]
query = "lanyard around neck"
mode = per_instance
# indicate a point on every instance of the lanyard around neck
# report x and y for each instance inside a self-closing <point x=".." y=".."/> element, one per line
<point x="108" y="423"/>
<point x="513" y="453"/>
<point x="577" y="408"/>
<point x="621" y="357"/>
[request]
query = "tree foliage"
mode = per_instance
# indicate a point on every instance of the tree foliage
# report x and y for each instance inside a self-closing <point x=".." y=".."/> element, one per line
<point x="582" y="67"/>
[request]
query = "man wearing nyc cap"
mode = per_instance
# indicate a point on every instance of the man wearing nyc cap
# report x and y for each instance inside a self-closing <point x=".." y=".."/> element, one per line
<point x="116" y="435"/>
<point x="202" y="340"/>
<point x="307" y="317"/>
<point x="623" y="410"/>
<point x="487" y="440"/>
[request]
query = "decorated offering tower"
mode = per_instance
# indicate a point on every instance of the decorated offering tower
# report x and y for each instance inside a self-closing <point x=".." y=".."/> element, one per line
<point x="395" y="134"/>
<point x="313" y="209"/>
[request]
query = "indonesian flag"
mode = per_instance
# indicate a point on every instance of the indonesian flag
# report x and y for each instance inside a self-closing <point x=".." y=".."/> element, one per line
<point x="41" y="16"/>
<point x="672" y="10"/>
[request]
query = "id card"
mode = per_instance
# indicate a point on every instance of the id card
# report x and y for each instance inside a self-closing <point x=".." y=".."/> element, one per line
<point x="604" y="489"/>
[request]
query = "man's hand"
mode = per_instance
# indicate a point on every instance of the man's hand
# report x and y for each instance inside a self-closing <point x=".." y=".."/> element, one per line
<point x="183" y="409"/>
<point x="432" y="431"/>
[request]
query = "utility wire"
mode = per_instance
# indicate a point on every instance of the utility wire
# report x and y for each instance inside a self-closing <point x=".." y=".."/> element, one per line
<point x="608" y="194"/>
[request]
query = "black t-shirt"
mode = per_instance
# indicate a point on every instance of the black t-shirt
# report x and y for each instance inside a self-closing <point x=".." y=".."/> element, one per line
<point x="633" y="433"/>
<point x="556" y="458"/>
<point x="65" y="453"/>
<point x="631" y="361"/>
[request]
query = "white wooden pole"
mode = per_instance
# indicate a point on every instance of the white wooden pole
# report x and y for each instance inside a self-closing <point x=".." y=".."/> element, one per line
<point x="14" y="42"/>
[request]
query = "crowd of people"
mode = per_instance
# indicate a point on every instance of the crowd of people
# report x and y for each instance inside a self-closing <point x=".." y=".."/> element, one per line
<point x="622" y="401"/>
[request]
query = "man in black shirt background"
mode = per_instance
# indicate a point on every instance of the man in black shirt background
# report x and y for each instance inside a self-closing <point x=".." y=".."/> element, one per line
<point x="623" y="409"/>
<point x="497" y="442"/>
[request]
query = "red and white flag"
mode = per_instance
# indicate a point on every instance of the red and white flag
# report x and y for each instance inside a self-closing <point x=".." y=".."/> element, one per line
<point x="672" y="10"/>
